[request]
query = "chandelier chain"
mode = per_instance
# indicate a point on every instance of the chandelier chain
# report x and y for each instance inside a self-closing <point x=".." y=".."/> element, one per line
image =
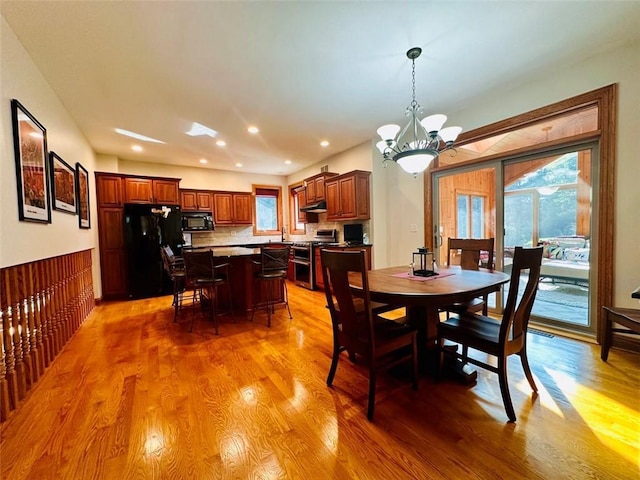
<point x="413" y="80"/>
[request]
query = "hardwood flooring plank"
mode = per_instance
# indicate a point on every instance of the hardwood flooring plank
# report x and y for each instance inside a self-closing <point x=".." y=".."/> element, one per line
<point x="134" y="395"/>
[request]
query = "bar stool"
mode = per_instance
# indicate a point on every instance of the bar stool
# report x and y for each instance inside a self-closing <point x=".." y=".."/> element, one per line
<point x="174" y="267"/>
<point x="202" y="274"/>
<point x="273" y="273"/>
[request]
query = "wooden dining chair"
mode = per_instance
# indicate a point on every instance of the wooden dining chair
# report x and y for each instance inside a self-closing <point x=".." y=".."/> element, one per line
<point x="381" y="343"/>
<point x="203" y="274"/>
<point x="500" y="338"/>
<point x="274" y="262"/>
<point x="468" y="254"/>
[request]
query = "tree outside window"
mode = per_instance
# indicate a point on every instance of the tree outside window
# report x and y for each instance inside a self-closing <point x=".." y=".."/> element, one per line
<point x="268" y="210"/>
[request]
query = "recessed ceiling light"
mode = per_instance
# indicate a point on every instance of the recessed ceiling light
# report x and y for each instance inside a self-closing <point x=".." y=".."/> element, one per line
<point x="204" y="160"/>
<point x="238" y="164"/>
<point x="253" y="130"/>
<point x="198" y="129"/>
<point x="324" y="143"/>
<point x="287" y="162"/>
<point x="137" y="136"/>
<point x="221" y="143"/>
<point x="136" y="148"/>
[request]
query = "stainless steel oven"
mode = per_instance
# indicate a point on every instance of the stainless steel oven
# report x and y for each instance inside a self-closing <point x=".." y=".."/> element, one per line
<point x="303" y="257"/>
<point x="302" y="264"/>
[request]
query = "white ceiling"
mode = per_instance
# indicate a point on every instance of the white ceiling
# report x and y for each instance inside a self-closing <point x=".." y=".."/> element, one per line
<point x="301" y="71"/>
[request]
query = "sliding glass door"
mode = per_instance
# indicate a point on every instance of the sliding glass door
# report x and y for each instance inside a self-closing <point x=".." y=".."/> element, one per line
<point x="466" y="208"/>
<point x="548" y="202"/>
<point x="544" y="199"/>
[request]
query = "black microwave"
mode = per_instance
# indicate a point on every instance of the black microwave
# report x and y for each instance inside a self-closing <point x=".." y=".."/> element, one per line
<point x="194" y="221"/>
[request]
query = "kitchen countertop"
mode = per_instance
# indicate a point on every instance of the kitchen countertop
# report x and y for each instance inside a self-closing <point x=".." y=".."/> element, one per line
<point x="223" y="251"/>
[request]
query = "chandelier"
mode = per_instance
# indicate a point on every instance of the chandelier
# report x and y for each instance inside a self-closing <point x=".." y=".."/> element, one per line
<point x="420" y="141"/>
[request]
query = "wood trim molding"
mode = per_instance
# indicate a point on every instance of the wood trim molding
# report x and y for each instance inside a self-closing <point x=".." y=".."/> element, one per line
<point x="605" y="99"/>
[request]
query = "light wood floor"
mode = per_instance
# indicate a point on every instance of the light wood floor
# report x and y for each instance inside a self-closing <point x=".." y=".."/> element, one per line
<point x="134" y="395"/>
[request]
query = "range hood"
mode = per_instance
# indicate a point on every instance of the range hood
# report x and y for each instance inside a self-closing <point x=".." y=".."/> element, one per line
<point x="317" y="207"/>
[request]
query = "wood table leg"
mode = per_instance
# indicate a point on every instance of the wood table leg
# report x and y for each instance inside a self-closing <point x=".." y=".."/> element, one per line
<point x="426" y="320"/>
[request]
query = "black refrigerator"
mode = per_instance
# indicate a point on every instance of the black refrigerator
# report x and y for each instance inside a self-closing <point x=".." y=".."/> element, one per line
<point x="146" y="229"/>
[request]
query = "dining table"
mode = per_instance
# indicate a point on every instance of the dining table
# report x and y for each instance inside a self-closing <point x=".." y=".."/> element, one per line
<point x="424" y="298"/>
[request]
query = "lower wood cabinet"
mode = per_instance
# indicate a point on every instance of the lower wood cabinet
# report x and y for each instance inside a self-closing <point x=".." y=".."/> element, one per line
<point x="318" y="262"/>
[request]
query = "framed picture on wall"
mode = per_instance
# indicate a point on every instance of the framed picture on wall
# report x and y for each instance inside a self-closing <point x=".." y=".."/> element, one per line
<point x="63" y="184"/>
<point x="82" y="187"/>
<point x="30" y="148"/>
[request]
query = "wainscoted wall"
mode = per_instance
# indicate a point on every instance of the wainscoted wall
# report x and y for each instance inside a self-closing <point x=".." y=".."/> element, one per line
<point x="42" y="304"/>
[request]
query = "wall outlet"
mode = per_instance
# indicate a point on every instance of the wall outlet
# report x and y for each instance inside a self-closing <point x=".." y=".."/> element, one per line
<point x="413" y="228"/>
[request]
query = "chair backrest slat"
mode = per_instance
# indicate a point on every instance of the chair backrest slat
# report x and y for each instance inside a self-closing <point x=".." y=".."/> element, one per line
<point x="336" y="266"/>
<point x="198" y="265"/>
<point x="471" y="249"/>
<point x="274" y="258"/>
<point x="516" y="314"/>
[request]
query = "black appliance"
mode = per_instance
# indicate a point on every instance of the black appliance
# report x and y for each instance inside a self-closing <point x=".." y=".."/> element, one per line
<point x="197" y="221"/>
<point x="304" y="256"/>
<point x="353" y="234"/>
<point x="146" y="229"/>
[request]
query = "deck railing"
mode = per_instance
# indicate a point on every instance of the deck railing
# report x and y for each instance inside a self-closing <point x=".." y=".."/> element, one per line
<point x="42" y="304"/>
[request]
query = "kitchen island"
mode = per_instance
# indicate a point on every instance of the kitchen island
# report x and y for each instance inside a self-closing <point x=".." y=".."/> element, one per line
<point x="244" y="265"/>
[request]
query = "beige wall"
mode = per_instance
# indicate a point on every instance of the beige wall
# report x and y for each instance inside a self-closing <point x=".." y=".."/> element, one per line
<point x="22" y="242"/>
<point x="619" y="66"/>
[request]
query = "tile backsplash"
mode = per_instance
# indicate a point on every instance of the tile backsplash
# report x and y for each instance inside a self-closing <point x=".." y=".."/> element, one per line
<point x="244" y="234"/>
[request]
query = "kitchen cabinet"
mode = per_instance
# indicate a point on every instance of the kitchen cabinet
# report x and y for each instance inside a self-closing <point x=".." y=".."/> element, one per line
<point x="113" y="191"/>
<point x="315" y="187"/>
<point x="151" y="190"/>
<point x="110" y="188"/>
<point x="348" y="196"/>
<point x="232" y="208"/>
<point x="319" y="281"/>
<point x="196" y="201"/>
<point x="300" y="194"/>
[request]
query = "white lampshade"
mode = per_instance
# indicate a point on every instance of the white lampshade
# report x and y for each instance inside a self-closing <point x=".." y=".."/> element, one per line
<point x="388" y="132"/>
<point x="449" y="134"/>
<point x="382" y="146"/>
<point x="415" y="163"/>
<point x="433" y="123"/>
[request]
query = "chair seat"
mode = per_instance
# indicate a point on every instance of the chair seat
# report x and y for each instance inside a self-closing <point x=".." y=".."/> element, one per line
<point x="477" y="331"/>
<point x="273" y="274"/>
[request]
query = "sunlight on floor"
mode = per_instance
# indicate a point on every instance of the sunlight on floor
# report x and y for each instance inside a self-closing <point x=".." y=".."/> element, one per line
<point x="544" y="397"/>
<point x="596" y="409"/>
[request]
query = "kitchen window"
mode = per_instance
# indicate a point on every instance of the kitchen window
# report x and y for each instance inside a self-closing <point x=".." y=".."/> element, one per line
<point x="267" y="209"/>
<point x="296" y="226"/>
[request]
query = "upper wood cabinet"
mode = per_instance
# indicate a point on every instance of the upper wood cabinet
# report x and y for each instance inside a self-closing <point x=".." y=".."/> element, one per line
<point x="166" y="191"/>
<point x="110" y="189"/>
<point x="151" y="190"/>
<point x="232" y="208"/>
<point x="196" y="201"/>
<point x="315" y="187"/>
<point x="348" y="196"/>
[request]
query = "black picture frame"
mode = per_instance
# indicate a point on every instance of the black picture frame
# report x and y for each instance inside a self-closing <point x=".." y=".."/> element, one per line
<point x="32" y="167"/>
<point x="63" y="185"/>
<point x="82" y="189"/>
